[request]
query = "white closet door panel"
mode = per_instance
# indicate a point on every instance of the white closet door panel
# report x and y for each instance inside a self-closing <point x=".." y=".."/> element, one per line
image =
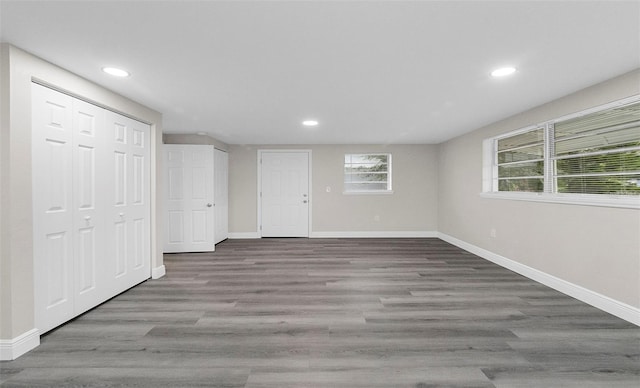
<point x="175" y="179"/>
<point x="199" y="183"/>
<point x="176" y="206"/>
<point x="57" y="275"/>
<point x="128" y="210"/>
<point x="86" y="185"/>
<point x="199" y="226"/>
<point x="119" y="178"/>
<point x="52" y="133"/>
<point x="221" y="195"/>
<point x="86" y="261"/>
<point x="139" y="209"/>
<point x="117" y="146"/>
<point x="174" y="159"/>
<point x="89" y="163"/>
<point x="120" y="249"/>
<point x="189" y="197"/>
<point x="139" y="239"/>
<point x="175" y="228"/>
<point x="139" y="178"/>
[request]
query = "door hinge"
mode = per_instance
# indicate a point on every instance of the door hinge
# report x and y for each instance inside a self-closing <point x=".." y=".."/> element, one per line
<point x="260" y="227"/>
<point x="261" y="194"/>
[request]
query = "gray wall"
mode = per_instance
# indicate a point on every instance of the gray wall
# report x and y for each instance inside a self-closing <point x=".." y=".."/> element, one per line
<point x="16" y="238"/>
<point x="411" y="208"/>
<point x="597" y="248"/>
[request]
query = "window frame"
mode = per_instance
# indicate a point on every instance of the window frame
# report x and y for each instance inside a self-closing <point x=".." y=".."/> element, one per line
<point x="388" y="190"/>
<point x="549" y="194"/>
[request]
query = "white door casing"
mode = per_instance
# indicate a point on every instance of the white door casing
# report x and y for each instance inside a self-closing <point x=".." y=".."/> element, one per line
<point x="188" y="183"/>
<point x="284" y="193"/>
<point x="221" y="195"/>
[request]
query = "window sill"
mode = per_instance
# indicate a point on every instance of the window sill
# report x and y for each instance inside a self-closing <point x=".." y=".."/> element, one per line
<point x="371" y="192"/>
<point x="569" y="199"/>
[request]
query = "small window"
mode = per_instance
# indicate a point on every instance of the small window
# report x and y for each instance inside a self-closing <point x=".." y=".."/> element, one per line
<point x="520" y="160"/>
<point x="367" y="173"/>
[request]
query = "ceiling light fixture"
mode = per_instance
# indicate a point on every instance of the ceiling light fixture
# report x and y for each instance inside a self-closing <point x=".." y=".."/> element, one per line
<point x="116" y="72"/>
<point x="503" y="71"/>
<point x="310" y="123"/>
<point x="201" y="133"/>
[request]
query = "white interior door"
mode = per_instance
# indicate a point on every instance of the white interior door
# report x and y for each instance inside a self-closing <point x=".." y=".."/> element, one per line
<point x="221" y="195"/>
<point x="188" y="182"/>
<point x="284" y="194"/>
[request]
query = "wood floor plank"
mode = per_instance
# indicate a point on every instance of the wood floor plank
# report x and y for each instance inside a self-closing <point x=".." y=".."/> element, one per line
<point x="335" y="313"/>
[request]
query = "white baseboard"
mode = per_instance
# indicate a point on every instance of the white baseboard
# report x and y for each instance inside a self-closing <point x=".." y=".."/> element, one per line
<point x="375" y="234"/>
<point x="372" y="234"/>
<point x="604" y="303"/>
<point x="14" y="348"/>
<point x="243" y="235"/>
<point x="158" y="272"/>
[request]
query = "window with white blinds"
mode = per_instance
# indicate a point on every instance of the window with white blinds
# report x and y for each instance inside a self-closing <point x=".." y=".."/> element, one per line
<point x="520" y="160"/>
<point x="594" y="153"/>
<point x="598" y="153"/>
<point x="367" y="173"/>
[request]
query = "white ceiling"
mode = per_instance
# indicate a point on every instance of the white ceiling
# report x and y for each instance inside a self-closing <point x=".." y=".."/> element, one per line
<point x="371" y="72"/>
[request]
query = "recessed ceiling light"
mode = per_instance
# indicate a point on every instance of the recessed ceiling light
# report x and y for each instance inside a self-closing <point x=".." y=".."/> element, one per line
<point x="501" y="72"/>
<point x="310" y="123"/>
<point x="201" y="133"/>
<point x="115" y="71"/>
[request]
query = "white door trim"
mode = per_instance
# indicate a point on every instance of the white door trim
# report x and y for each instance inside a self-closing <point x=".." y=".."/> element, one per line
<point x="258" y="199"/>
<point x="220" y="195"/>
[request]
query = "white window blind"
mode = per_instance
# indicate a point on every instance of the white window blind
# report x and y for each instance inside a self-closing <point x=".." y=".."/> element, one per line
<point x="520" y="160"/>
<point x="367" y="172"/>
<point x="599" y="153"/>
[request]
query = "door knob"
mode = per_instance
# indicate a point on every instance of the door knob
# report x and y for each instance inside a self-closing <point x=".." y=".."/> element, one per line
<point x="305" y="201"/>
<point x="209" y="205"/>
<point x="304" y="195"/>
<point x="87" y="218"/>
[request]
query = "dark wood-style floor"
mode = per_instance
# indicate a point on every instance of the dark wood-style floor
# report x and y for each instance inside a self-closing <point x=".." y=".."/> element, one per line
<point x="336" y="313"/>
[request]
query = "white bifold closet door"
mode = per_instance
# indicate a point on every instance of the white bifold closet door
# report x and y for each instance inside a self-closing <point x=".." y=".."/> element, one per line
<point x="91" y="205"/>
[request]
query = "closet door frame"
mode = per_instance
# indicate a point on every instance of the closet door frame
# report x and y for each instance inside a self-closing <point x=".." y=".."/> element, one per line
<point x="221" y="195"/>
